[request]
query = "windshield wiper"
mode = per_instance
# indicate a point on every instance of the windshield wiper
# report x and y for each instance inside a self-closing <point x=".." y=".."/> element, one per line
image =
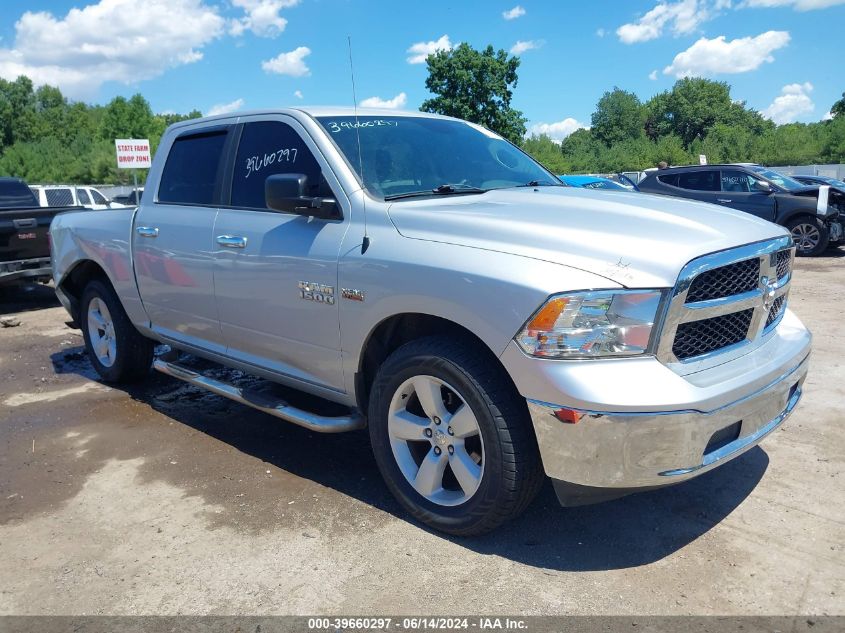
<point x="541" y="183"/>
<point x="445" y="189"/>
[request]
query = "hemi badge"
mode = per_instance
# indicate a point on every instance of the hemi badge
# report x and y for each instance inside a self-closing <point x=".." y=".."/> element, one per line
<point x="352" y="294"/>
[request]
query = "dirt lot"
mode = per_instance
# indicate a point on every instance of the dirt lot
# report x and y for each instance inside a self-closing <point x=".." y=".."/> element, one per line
<point x="166" y="500"/>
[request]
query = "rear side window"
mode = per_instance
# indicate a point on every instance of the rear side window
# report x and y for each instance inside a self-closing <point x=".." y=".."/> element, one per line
<point x="707" y="180"/>
<point x="15" y="194"/>
<point x="669" y="179"/>
<point x="191" y="171"/>
<point x="59" y="197"/>
<point x="267" y="148"/>
<point x="83" y="196"/>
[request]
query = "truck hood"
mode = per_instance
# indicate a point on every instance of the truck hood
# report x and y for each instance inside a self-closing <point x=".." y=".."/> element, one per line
<point x="634" y="239"/>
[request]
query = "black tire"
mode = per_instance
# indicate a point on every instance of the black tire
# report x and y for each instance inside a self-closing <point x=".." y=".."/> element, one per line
<point x="134" y="353"/>
<point x="511" y="471"/>
<point x="803" y="225"/>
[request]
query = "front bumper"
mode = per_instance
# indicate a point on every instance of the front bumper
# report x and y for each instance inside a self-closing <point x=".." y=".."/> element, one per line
<point x="25" y="269"/>
<point x="644" y="426"/>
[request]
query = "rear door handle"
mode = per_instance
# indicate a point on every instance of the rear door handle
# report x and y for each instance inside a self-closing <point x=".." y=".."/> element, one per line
<point x="723" y="200"/>
<point x="147" y="231"/>
<point x="231" y="241"/>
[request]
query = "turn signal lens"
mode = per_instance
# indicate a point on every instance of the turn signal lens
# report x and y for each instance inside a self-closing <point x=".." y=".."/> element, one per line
<point x="592" y="324"/>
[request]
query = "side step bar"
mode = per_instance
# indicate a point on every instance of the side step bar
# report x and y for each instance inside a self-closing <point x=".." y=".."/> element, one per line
<point x="276" y="408"/>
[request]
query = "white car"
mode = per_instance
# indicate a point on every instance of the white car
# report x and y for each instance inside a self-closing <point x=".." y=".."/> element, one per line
<point x="71" y="195"/>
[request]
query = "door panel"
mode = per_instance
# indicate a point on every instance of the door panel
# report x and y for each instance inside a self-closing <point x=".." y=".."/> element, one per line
<point x="173" y="242"/>
<point x="739" y="192"/>
<point x="262" y="258"/>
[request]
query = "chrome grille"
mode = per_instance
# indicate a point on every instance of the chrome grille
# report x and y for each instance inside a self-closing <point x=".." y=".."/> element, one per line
<point x="784" y="263"/>
<point x="777" y="308"/>
<point x="725" y="301"/>
<point x="702" y="337"/>
<point x="725" y="281"/>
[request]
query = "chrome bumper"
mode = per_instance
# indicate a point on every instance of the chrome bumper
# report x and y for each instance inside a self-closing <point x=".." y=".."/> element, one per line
<point x="613" y="450"/>
<point x="25" y="269"/>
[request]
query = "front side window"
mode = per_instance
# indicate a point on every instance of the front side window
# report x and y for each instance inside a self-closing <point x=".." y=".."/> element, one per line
<point x="267" y="148"/>
<point x="59" y="197"/>
<point x="98" y="197"/>
<point x="191" y="172"/>
<point x="781" y="180"/>
<point x="407" y="155"/>
<point x="705" y="180"/>
<point x="83" y="196"/>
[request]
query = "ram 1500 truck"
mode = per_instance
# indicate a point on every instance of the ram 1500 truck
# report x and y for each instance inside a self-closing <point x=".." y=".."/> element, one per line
<point x="24" y="245"/>
<point x="486" y="323"/>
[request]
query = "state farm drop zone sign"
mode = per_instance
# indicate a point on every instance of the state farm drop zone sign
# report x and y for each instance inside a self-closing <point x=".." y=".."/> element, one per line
<point x="133" y="153"/>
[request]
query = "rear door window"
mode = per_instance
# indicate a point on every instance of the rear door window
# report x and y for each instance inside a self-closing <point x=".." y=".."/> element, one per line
<point x="705" y="180"/>
<point x="62" y="197"/>
<point x="267" y="148"/>
<point x="192" y="170"/>
<point x="84" y="198"/>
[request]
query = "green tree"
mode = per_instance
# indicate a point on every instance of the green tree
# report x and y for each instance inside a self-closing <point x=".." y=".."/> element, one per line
<point x="619" y="116"/>
<point x="476" y="86"/>
<point x="838" y="108"/>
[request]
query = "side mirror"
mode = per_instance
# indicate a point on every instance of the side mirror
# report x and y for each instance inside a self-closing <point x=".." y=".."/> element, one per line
<point x="762" y="186"/>
<point x="287" y="193"/>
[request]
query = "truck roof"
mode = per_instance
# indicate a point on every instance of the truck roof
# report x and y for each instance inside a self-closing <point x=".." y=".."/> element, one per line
<point x="314" y="111"/>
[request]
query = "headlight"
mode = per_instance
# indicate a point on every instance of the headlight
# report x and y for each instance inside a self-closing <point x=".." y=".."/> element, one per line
<point x="592" y="324"/>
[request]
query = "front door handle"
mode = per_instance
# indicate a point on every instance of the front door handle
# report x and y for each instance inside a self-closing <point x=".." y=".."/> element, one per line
<point x="231" y="241"/>
<point x="147" y="231"/>
<point x="723" y="200"/>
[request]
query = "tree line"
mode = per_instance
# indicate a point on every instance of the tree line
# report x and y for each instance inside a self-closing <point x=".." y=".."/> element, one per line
<point x="44" y="137"/>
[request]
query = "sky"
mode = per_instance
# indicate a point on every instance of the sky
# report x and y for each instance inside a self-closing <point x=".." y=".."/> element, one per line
<point x="785" y="58"/>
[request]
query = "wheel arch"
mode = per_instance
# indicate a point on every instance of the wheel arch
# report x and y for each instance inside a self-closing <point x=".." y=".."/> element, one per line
<point x="72" y="285"/>
<point x="394" y="331"/>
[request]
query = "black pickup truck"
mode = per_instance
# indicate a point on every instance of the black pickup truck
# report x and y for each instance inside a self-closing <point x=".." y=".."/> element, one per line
<point x="24" y="226"/>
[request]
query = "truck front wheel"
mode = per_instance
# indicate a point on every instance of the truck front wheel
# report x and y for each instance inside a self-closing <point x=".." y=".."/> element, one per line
<point x="117" y="350"/>
<point x="452" y="436"/>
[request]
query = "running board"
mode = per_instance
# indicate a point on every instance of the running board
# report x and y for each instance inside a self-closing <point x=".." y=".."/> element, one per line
<point x="276" y="408"/>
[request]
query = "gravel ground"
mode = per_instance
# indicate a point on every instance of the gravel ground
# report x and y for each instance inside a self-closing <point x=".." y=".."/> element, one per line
<point x="162" y="499"/>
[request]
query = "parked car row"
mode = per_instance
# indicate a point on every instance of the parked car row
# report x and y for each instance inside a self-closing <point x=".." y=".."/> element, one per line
<point x="71" y="195"/>
<point x="811" y="207"/>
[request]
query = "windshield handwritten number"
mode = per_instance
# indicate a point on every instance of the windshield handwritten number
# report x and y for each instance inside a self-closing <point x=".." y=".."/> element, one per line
<point x="335" y="127"/>
<point x="257" y="163"/>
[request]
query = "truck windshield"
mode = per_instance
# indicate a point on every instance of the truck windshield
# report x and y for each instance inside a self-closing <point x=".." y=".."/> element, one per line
<point x="405" y="155"/>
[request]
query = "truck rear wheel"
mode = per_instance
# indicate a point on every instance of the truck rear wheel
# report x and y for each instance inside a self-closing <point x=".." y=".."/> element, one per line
<point x="452" y="437"/>
<point x="117" y="350"/>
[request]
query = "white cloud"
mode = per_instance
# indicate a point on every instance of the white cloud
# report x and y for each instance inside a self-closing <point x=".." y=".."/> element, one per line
<point x="828" y="116"/>
<point x="557" y="131"/>
<point x="225" y="108"/>
<point x="682" y="17"/>
<point x="261" y="17"/>
<point x="521" y="46"/>
<point x="111" y="40"/>
<point x="653" y="75"/>
<point x="794" y="100"/>
<point x="711" y="57"/>
<point x="513" y="14"/>
<point x="291" y="63"/>
<point x="601" y="32"/>
<point x="421" y="50"/>
<point x="798" y="5"/>
<point x="297" y="94"/>
<point x="396" y="103"/>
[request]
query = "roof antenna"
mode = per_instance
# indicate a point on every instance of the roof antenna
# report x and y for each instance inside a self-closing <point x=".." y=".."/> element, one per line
<point x="366" y="243"/>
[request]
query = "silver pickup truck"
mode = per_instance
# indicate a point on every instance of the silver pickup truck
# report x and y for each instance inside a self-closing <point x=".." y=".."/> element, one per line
<point x="434" y="284"/>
